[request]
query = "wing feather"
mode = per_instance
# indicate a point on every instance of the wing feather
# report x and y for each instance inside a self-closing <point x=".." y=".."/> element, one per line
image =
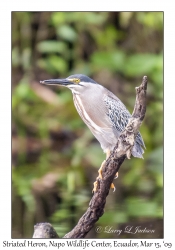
<point x="119" y="115"/>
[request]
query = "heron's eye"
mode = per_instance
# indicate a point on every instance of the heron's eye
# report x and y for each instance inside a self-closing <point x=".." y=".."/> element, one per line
<point x="76" y="80"/>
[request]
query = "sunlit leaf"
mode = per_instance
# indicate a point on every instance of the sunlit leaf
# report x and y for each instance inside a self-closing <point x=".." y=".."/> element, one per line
<point x="67" y="32"/>
<point x="52" y="47"/>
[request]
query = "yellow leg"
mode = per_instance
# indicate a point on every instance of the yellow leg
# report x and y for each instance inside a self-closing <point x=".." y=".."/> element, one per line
<point x="107" y="156"/>
<point x="100" y="170"/>
<point x="95" y="187"/>
<point x="108" y="152"/>
<point x="103" y="163"/>
<point x="99" y="176"/>
<point x="100" y="173"/>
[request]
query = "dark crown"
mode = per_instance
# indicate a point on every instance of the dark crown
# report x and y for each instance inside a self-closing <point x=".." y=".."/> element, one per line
<point x="82" y="78"/>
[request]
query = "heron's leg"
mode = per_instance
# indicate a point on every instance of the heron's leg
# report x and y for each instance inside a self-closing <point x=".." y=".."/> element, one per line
<point x="100" y="170"/>
<point x="99" y="176"/>
<point x="108" y="152"/>
<point x="116" y="175"/>
<point x="95" y="187"/>
<point x="100" y="173"/>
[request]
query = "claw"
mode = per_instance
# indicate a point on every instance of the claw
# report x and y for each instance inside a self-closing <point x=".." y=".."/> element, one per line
<point x="112" y="186"/>
<point x="116" y="176"/>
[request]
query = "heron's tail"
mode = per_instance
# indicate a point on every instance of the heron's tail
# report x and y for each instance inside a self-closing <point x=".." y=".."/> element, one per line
<point x="137" y="150"/>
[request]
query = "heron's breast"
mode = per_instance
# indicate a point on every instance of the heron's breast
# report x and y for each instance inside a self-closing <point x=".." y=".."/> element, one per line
<point x="85" y="114"/>
<point x="92" y="112"/>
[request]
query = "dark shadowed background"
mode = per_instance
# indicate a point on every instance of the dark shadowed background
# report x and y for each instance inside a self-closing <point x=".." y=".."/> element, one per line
<point x="55" y="157"/>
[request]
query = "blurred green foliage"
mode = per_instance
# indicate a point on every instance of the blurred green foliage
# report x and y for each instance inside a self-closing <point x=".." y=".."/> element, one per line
<point x="55" y="157"/>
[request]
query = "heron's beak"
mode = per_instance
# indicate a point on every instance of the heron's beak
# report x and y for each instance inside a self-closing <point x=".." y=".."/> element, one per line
<point x="63" y="82"/>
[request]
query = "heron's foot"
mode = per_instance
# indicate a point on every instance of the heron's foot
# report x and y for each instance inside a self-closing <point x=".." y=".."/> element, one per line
<point x="100" y="170"/>
<point x="99" y="177"/>
<point x="95" y="187"/>
<point x="112" y="184"/>
<point x="113" y="187"/>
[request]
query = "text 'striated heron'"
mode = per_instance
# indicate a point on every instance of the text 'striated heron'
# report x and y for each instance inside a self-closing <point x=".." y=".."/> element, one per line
<point x="104" y="114"/>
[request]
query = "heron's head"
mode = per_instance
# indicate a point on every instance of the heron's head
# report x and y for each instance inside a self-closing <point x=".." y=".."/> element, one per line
<point x="77" y="83"/>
